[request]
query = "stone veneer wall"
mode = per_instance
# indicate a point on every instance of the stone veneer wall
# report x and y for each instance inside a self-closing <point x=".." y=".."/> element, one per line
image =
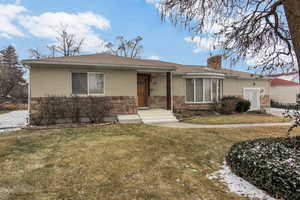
<point x="120" y="104"/>
<point x="180" y="104"/>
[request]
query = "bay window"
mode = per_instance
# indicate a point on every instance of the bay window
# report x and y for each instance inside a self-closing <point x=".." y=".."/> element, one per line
<point x="203" y="90"/>
<point x="87" y="83"/>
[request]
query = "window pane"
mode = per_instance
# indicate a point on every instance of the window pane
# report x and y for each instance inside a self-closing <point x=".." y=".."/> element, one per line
<point x="79" y="83"/>
<point x="199" y="90"/>
<point x="190" y="90"/>
<point x="207" y="85"/>
<point x="96" y="83"/>
<point x="214" y="89"/>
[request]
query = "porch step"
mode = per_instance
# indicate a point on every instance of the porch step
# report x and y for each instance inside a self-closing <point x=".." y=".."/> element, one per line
<point x="129" y="119"/>
<point x="157" y="116"/>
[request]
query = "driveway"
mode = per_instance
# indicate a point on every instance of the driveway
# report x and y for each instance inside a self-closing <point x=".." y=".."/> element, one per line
<point x="13" y="120"/>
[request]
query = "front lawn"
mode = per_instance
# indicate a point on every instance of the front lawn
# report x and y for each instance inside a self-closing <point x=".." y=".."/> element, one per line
<point x="120" y="162"/>
<point x="245" y="118"/>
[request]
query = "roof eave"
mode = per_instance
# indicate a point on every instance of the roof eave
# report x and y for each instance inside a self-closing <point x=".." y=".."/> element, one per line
<point x="110" y="66"/>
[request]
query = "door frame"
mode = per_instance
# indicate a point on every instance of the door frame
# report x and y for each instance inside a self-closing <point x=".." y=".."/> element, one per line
<point x="258" y="99"/>
<point x="148" y="88"/>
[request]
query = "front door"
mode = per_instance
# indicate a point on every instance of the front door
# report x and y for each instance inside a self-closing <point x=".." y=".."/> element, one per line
<point x="143" y="89"/>
<point x="253" y="95"/>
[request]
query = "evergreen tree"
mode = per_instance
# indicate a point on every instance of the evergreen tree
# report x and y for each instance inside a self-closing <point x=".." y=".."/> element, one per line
<point x="11" y="72"/>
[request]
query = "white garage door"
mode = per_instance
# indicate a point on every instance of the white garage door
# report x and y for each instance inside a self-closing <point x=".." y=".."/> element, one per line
<point x="253" y="95"/>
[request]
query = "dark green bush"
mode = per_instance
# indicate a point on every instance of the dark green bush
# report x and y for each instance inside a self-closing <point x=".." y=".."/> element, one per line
<point x="271" y="164"/>
<point x="242" y="105"/>
<point x="232" y="104"/>
<point x="287" y="106"/>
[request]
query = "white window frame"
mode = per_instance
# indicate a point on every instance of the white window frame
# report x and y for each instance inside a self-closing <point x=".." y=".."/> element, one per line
<point x="203" y="83"/>
<point x="88" y="82"/>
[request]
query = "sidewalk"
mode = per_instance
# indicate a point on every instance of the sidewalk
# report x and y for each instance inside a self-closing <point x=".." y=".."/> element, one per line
<point x="187" y="125"/>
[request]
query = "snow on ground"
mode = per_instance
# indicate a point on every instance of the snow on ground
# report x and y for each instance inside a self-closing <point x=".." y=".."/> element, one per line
<point x="238" y="185"/>
<point x="13" y="120"/>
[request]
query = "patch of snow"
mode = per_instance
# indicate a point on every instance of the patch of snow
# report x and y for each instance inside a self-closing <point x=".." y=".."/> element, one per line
<point x="238" y="185"/>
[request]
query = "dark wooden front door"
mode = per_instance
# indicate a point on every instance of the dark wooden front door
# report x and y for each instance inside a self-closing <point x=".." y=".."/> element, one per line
<point x="143" y="89"/>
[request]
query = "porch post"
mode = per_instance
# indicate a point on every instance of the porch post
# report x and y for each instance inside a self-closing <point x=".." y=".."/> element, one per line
<point x="169" y="91"/>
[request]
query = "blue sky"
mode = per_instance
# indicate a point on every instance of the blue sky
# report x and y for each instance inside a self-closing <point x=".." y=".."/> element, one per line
<point x="28" y="24"/>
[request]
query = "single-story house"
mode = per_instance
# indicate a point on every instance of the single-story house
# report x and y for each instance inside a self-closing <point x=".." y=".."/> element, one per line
<point x="284" y="91"/>
<point x="136" y="84"/>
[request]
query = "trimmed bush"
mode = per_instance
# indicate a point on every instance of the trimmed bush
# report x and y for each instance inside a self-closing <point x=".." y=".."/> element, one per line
<point x="271" y="164"/>
<point x="242" y="105"/>
<point x="232" y="104"/>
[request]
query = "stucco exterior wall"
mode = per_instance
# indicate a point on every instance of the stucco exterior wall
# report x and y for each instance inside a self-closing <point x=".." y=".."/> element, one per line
<point x="158" y="85"/>
<point x="54" y="81"/>
<point x="235" y="87"/>
<point x="285" y="94"/>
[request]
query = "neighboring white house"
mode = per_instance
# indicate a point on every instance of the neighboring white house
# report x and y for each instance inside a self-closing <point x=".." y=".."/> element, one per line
<point x="292" y="76"/>
<point x="283" y="91"/>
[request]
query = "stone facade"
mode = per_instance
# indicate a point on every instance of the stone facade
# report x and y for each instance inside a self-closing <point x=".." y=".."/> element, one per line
<point x="119" y="104"/>
<point x="180" y="104"/>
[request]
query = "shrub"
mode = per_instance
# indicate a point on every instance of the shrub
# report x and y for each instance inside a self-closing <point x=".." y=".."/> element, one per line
<point x="232" y="104"/>
<point x="96" y="110"/>
<point x="270" y="164"/>
<point x="50" y="110"/>
<point x="287" y="106"/>
<point x="242" y="105"/>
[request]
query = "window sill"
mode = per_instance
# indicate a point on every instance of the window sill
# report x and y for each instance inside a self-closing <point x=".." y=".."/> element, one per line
<point x="88" y="95"/>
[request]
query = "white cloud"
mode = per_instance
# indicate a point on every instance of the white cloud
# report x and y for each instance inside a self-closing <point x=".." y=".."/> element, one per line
<point x="83" y="25"/>
<point x="203" y="44"/>
<point x="8" y="16"/>
<point x="153" y="58"/>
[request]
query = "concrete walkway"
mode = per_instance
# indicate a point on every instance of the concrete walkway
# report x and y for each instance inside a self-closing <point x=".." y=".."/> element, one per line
<point x="188" y="125"/>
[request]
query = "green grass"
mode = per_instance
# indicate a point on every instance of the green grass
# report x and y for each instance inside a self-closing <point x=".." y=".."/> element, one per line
<point x="246" y="118"/>
<point x="119" y="162"/>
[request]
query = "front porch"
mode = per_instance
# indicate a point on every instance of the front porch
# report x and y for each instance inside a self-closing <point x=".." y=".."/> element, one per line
<point x="154" y="90"/>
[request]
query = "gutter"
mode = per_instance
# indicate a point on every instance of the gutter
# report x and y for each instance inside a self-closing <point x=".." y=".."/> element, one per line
<point x="109" y="66"/>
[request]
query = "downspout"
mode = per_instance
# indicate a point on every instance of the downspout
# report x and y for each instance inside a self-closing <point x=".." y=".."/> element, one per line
<point x="29" y="93"/>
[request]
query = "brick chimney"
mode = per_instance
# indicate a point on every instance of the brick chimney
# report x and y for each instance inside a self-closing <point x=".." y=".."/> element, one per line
<point x="215" y="62"/>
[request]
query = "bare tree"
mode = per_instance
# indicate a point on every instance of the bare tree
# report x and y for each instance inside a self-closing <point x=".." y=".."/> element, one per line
<point x="11" y="73"/>
<point x="67" y="43"/>
<point x="246" y="27"/>
<point x="36" y="54"/>
<point x="127" y="48"/>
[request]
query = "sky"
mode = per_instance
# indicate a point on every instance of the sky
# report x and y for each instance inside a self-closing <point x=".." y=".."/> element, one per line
<point x="32" y="23"/>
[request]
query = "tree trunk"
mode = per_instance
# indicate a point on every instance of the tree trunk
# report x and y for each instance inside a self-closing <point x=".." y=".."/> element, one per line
<point x="292" y="11"/>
